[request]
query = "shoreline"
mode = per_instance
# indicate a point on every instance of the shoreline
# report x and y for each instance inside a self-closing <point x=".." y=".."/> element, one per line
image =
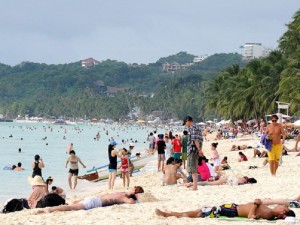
<point x="177" y="197"/>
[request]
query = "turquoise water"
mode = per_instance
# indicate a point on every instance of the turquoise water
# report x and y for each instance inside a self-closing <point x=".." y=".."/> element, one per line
<point x="29" y="137"/>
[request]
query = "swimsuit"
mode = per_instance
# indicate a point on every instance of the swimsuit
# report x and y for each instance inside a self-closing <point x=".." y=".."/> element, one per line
<point x="91" y="202"/>
<point x="36" y="170"/>
<point x="228" y="210"/>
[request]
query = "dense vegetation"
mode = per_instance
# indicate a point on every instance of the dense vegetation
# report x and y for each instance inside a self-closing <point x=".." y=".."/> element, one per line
<point x="220" y="85"/>
<point x="73" y="91"/>
<point x="253" y="90"/>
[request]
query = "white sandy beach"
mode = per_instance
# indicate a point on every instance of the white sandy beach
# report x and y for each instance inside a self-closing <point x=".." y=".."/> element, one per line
<point x="177" y="197"/>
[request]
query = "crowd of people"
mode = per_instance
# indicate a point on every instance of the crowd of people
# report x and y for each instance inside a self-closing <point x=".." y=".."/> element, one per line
<point x="176" y="153"/>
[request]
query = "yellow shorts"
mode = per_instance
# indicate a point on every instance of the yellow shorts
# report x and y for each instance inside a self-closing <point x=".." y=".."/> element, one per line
<point x="275" y="153"/>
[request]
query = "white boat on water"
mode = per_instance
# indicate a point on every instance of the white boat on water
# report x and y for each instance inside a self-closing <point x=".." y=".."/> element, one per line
<point x="101" y="173"/>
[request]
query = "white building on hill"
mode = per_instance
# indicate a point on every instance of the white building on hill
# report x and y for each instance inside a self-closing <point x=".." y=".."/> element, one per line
<point x="199" y="58"/>
<point x="254" y="51"/>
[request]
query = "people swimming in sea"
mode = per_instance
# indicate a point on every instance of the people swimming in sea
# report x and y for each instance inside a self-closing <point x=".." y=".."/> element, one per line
<point x="19" y="167"/>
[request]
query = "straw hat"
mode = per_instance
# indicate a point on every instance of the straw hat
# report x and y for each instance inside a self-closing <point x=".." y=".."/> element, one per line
<point x="37" y="180"/>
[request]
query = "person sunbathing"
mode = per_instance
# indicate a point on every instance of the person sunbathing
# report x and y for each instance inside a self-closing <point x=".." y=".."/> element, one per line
<point x="260" y="154"/>
<point x="227" y="180"/>
<point x="293" y="203"/>
<point x="238" y="147"/>
<point x="96" y="201"/>
<point x="254" y="210"/>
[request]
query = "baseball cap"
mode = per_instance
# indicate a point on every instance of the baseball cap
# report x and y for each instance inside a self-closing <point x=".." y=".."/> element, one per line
<point x="131" y="145"/>
<point x="113" y="143"/>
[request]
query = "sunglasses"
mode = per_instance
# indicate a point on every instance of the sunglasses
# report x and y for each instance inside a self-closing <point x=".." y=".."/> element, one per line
<point x="274" y="120"/>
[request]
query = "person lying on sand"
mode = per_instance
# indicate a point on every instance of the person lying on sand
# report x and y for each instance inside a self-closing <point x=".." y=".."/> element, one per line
<point x="238" y="147"/>
<point x="254" y="210"/>
<point x="293" y="203"/>
<point x="227" y="180"/>
<point x="96" y="201"/>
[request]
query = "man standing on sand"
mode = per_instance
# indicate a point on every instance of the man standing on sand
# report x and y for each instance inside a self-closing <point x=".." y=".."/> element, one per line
<point x="274" y="131"/>
<point x="194" y="149"/>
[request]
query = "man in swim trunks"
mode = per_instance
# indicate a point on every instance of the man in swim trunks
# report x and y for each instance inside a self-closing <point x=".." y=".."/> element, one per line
<point x="255" y="210"/>
<point x="275" y="130"/>
<point x="99" y="201"/>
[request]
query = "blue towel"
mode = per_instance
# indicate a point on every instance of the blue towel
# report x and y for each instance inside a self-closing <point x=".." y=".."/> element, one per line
<point x="267" y="143"/>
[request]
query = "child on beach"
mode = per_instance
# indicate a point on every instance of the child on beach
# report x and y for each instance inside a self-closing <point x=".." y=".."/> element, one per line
<point x="215" y="156"/>
<point x="242" y="157"/>
<point x="125" y="166"/>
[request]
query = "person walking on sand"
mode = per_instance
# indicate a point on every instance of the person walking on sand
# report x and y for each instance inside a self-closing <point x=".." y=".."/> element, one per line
<point x="37" y="166"/>
<point x="254" y="210"/>
<point x="160" y="146"/>
<point x="194" y="149"/>
<point x="274" y="131"/>
<point x="112" y="167"/>
<point x="74" y="170"/>
<point x="215" y="157"/>
<point x="184" y="147"/>
<point x="97" y="201"/>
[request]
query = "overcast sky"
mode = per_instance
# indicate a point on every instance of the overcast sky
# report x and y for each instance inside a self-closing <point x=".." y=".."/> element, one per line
<point x="142" y="31"/>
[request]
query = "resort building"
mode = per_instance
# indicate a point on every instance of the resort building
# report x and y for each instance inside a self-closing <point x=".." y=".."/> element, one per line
<point x="254" y="51"/>
<point x="167" y="67"/>
<point x="200" y="58"/>
<point x="89" y="62"/>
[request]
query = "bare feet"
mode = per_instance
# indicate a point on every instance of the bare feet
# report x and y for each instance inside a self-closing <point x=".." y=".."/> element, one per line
<point x="160" y="213"/>
<point x="188" y="184"/>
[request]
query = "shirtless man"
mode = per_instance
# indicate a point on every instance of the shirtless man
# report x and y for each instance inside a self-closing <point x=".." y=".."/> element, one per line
<point x="256" y="210"/>
<point x="99" y="201"/>
<point x="19" y="167"/>
<point x="275" y="130"/>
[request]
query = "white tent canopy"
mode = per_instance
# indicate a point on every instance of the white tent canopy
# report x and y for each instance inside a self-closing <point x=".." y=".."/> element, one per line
<point x="297" y="123"/>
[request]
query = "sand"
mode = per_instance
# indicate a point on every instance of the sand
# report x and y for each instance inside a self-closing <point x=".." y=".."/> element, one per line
<point x="177" y="197"/>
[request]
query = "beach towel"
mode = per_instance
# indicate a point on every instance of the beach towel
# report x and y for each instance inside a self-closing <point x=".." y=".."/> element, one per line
<point x="243" y="219"/>
<point x="267" y="143"/>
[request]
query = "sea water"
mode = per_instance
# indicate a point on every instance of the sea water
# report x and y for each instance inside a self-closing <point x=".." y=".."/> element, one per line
<point x="50" y="142"/>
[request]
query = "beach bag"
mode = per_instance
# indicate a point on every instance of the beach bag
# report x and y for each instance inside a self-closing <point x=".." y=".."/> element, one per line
<point x="15" y="205"/>
<point x="50" y="200"/>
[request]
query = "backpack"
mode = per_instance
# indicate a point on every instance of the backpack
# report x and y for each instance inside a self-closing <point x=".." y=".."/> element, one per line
<point x="50" y="200"/>
<point x="15" y="205"/>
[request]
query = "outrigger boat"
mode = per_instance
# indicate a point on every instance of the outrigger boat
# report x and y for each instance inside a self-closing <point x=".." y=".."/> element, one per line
<point x="101" y="173"/>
